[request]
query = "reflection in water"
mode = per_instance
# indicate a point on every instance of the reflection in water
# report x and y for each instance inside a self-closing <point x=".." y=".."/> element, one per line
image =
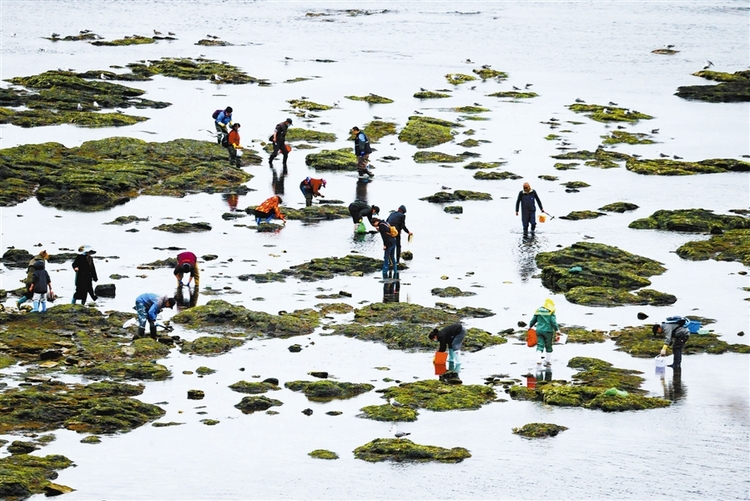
<point x="674" y="390"/>
<point x="277" y="182"/>
<point x="526" y="252"/>
<point x="391" y="291"/>
<point x="185" y="297"/>
<point x="232" y="199"/>
<point x="361" y="192"/>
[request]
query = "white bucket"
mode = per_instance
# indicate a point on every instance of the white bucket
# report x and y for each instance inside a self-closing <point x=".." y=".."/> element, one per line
<point x="562" y="339"/>
<point x="660" y="361"/>
<point x="239" y="152"/>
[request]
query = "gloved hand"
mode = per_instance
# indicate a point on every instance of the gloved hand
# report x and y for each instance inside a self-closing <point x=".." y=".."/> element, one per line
<point x="663" y="352"/>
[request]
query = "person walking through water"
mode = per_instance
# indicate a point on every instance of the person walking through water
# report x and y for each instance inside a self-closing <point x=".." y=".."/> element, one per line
<point x="28" y="294"/>
<point x="233" y="144"/>
<point x="546" y="321"/>
<point x="85" y="274"/>
<point x="450" y="337"/>
<point x="148" y="306"/>
<point x="222" y="121"/>
<point x="310" y="188"/>
<point x="362" y="150"/>
<point x="279" y="142"/>
<point x="397" y="219"/>
<point x="390" y="265"/>
<point x="41" y="283"/>
<point x="676" y="335"/>
<point x="359" y="209"/>
<point x="187" y="262"/>
<point x="527" y="198"/>
<point x="268" y="210"/>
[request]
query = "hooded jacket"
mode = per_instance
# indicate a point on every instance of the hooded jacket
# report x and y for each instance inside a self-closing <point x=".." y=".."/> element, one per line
<point x="545" y="320"/>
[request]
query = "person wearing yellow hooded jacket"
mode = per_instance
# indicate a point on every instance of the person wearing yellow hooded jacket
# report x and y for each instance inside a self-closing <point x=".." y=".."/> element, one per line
<point x="546" y="328"/>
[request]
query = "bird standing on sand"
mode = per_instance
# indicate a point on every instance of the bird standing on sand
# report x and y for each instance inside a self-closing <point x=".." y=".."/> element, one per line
<point x="527" y="86"/>
<point x="171" y="34"/>
<point x="654" y="131"/>
<point x="579" y="100"/>
<point x="515" y="88"/>
<point x="157" y="32"/>
<point x="400" y="434"/>
<point x="708" y="65"/>
<point x="670" y="46"/>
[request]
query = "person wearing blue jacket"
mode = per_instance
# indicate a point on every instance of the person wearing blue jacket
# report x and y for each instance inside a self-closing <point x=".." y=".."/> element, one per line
<point x="223" y="123"/>
<point x="527" y="198"/>
<point x="148" y="306"/>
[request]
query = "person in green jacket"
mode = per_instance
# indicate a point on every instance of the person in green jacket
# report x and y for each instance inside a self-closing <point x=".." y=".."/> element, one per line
<point x="546" y="321"/>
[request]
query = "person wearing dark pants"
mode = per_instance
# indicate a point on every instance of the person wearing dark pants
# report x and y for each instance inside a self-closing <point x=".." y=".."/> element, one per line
<point x="279" y="141"/>
<point x="390" y="265"/>
<point x="527" y="200"/>
<point x="359" y="209"/>
<point x="362" y="150"/>
<point x="397" y="219"/>
<point x="310" y="187"/>
<point x="85" y="274"/>
<point x="450" y="337"/>
<point x="675" y="334"/>
<point x="233" y="144"/>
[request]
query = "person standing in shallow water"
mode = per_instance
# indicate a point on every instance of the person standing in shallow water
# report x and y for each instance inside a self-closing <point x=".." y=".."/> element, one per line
<point x="450" y="337"/>
<point x="362" y="150"/>
<point x="397" y="219"/>
<point x="675" y="334"/>
<point x="233" y="144"/>
<point x="28" y="294"/>
<point x="279" y="142"/>
<point x="546" y="327"/>
<point x="85" y="274"/>
<point x="390" y="265"/>
<point x="527" y="200"/>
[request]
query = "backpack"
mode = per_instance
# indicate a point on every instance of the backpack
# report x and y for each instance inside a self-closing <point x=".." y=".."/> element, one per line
<point x="215" y="114"/>
<point x="392" y="230"/>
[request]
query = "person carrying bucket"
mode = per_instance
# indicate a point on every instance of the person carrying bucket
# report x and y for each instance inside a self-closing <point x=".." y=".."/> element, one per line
<point x="546" y="321"/>
<point x="450" y="337"/>
<point x="676" y="334"/>
<point x="360" y="209"/>
<point x="527" y="200"/>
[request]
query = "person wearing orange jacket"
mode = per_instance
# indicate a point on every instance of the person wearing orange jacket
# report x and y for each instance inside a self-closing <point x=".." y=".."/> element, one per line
<point x="269" y="210"/>
<point x="310" y="187"/>
<point x="233" y="144"/>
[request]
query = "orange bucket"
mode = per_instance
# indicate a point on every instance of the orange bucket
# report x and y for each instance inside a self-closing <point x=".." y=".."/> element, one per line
<point x="542" y="218"/>
<point x="531" y="338"/>
<point x="440" y="357"/>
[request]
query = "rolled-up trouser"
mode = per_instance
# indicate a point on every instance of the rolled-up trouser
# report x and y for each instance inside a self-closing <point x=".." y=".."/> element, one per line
<point x="544" y="341"/>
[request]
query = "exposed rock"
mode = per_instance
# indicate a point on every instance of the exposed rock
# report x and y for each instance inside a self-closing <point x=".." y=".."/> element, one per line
<point x="428" y="94"/>
<point x="539" y="430"/>
<point x="426" y="132"/>
<point x="733" y="87"/>
<point x="295" y="348"/>
<point x="453" y="209"/>
<point x="341" y="159"/>
<point x="389" y="412"/>
<point x="690" y="220"/>
<point x="184" y="227"/>
<point x="371" y="99"/>
<point x="248" y="405"/>
<point x="105" y="290"/>
<point x="254" y="388"/>
<point x="621" y="136"/>
<point x="323" y="454"/>
<point x="21" y="447"/>
<point x="24" y="475"/>
<point x="619" y="207"/>
<point x="195" y="395"/>
<point x="401" y="450"/>
<point x="459" y="78"/>
<point x="669" y="167"/>
<point x="577" y="215"/>
<point x="121" y="220"/>
<point x="514" y="94"/>
<point x="494" y="175"/>
<point x="486" y="73"/>
<point x="422" y="157"/>
<point x="733" y="245"/>
<point x="605" y="114"/>
<point x="438" y="396"/>
<point x="327" y="390"/>
<point x="641" y="342"/>
<point x="451" y="292"/>
<point x="442" y="197"/>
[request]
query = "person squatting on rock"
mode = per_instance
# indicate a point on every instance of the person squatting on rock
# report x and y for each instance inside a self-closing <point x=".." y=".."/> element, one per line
<point x="362" y="150"/>
<point x="450" y="337"/>
<point x="28" y="294"/>
<point x="279" y="141"/>
<point x="41" y="283"/>
<point x="187" y="262"/>
<point x="222" y="122"/>
<point x="359" y="209"/>
<point x="675" y="334"/>
<point x="233" y="144"/>
<point x="83" y="264"/>
<point x="310" y="187"/>
<point x="397" y="219"/>
<point x="390" y="265"/>
<point x="148" y="306"/>
<point x="546" y="329"/>
<point x="268" y="210"/>
<point x="527" y="199"/>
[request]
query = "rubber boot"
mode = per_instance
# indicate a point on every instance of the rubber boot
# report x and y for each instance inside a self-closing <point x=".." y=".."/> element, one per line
<point x="73" y="301"/>
<point x="44" y="306"/>
<point x="36" y="307"/>
<point x="152" y="332"/>
<point x="141" y="333"/>
<point x="451" y="355"/>
<point x="540" y="354"/>
<point x="395" y="270"/>
<point x="457" y="357"/>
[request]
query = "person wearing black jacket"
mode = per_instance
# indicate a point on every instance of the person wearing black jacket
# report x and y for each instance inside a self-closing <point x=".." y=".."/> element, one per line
<point x="359" y="209"/>
<point x="450" y="337"/>
<point x="85" y="274"/>
<point x="675" y="334"/>
<point x="397" y="219"/>
<point x="390" y="265"/>
<point x="527" y="198"/>
<point x="362" y="150"/>
<point x="279" y="141"/>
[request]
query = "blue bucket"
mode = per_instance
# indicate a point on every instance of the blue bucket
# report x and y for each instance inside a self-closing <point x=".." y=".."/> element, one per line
<point x="693" y="326"/>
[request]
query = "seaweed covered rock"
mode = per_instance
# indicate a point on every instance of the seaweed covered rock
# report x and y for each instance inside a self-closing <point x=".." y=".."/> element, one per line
<point x="184" y="227"/>
<point x="640" y="341"/>
<point x="102" y="174"/>
<point x="690" y="220"/>
<point x="342" y="159"/>
<point x="470" y="109"/>
<point x="539" y="430"/>
<point x="733" y="245"/>
<point x="669" y="167"/>
<point x="326" y="268"/>
<point x="495" y="175"/>
<point x="436" y="395"/>
<point x="377" y="129"/>
<point x="599" y="158"/>
<point x="371" y="99"/>
<point x="324" y="212"/>
<point x="485" y="73"/>
<point x="732" y="87"/>
<point x="619" y="207"/>
<point x="610" y="296"/>
<point x="96" y="408"/>
<point x="426" y="132"/>
<point x="422" y="157"/>
<point x="220" y="317"/>
<point x="621" y="136"/>
<point x="248" y="405"/>
<point x="210" y="345"/>
<point x="23" y="475"/>
<point x="122" y="220"/>
<point x="459" y="78"/>
<point x="428" y="94"/>
<point x="514" y="94"/>
<point x="451" y="292"/>
<point x="584" y="336"/>
<point x="323" y="454"/>
<point x="606" y="114"/>
<point x="253" y="388"/>
<point x="442" y="197"/>
<point x="453" y="209"/>
<point x="302" y="104"/>
<point x="327" y="390"/>
<point x="577" y="215"/>
<point x="185" y="68"/>
<point x="309" y="135"/>
<point x="389" y="412"/>
<point x="127" y="40"/>
<point x="404" y="450"/>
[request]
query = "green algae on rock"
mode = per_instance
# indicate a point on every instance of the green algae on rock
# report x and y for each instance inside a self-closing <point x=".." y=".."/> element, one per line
<point x="619" y="207"/>
<point x="388" y="412"/>
<point x="248" y="405"/>
<point x="302" y="104"/>
<point x="371" y="99"/>
<point x="495" y="175"/>
<point x="621" y="136"/>
<point x="40" y="118"/>
<point x="253" y="388"/>
<point x="584" y="336"/>
<point x="184" y="227"/>
<point x="453" y="209"/>
<point x="24" y="475"/>
<point x="341" y="159"/>
<point x="485" y="73"/>
<point x="610" y="296"/>
<point x="483" y="165"/>
<point x="574" y="185"/>
<point x="185" y="68"/>
<point x="451" y="292"/>
<point x="327" y="390"/>
<point x="601" y="158"/>
<point x="377" y="129"/>
<point x="690" y="220"/>
<point x="422" y="157"/>
<point x="436" y="395"/>
<point x="733" y="245"/>
<point x="404" y="450"/>
<point x="641" y="342"/>
<point x="733" y="87"/>
<point x="470" y="109"/>
<point x="469" y="143"/>
<point x="323" y="454"/>
<point x="514" y="94"/>
<point x="210" y="345"/>
<point x="102" y="174"/>
<point x="669" y="167"/>
<point x="121" y="220"/>
<point x="442" y="197"/>
<point x="566" y="166"/>
<point x="426" y="132"/>
<point x="325" y="212"/>
<point x="127" y="40"/>
<point x="577" y="215"/>
<point x="428" y="94"/>
<point x="606" y="114"/>
<point x="309" y="135"/>
<point x="459" y="78"/>
<point x="539" y="430"/>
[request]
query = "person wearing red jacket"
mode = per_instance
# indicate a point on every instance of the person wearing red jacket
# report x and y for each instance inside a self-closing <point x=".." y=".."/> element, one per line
<point x="233" y="144"/>
<point x="187" y="262"/>
<point x="310" y="188"/>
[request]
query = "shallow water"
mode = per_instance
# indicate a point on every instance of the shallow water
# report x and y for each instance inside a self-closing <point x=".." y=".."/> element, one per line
<point x="598" y="52"/>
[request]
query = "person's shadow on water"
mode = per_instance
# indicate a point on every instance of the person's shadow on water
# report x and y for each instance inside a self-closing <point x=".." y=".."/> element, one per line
<point x="525" y="256"/>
